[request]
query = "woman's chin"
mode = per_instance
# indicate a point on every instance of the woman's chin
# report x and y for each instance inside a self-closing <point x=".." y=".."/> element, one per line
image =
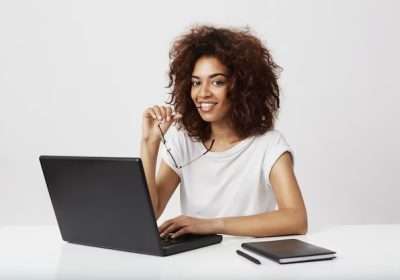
<point x="208" y="118"/>
<point x="204" y="115"/>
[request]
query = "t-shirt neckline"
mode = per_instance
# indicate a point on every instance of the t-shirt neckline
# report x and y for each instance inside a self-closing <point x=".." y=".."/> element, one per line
<point x="230" y="151"/>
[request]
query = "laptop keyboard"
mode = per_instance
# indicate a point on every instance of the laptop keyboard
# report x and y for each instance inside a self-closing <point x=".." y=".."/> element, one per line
<point x="166" y="240"/>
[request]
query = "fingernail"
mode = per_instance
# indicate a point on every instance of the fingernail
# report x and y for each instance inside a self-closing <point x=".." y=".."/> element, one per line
<point x="168" y="118"/>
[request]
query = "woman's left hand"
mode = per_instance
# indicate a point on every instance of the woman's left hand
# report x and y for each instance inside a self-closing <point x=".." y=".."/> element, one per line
<point x="185" y="224"/>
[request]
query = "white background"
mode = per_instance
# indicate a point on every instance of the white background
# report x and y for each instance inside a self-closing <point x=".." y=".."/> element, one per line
<point x="75" y="77"/>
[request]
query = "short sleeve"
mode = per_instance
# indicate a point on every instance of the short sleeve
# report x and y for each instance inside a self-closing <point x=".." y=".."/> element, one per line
<point x="277" y="146"/>
<point x="172" y="138"/>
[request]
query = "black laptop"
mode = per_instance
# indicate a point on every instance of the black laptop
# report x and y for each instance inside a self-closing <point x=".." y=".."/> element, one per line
<point x="104" y="202"/>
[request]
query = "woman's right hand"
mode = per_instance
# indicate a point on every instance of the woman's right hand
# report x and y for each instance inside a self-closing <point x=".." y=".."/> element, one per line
<point x="155" y="115"/>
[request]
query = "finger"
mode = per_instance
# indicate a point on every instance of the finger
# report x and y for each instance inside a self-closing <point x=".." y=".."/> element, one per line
<point x="171" y="229"/>
<point x="163" y="113"/>
<point x="177" y="116"/>
<point x="147" y="113"/>
<point x="165" y="225"/>
<point x="157" y="110"/>
<point x="182" y="231"/>
<point x="152" y="113"/>
<point x="169" y="113"/>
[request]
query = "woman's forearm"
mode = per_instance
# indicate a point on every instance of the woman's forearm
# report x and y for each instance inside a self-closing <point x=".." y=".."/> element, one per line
<point x="279" y="222"/>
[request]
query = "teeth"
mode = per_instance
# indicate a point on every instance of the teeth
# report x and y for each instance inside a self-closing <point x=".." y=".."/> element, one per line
<point x="205" y="106"/>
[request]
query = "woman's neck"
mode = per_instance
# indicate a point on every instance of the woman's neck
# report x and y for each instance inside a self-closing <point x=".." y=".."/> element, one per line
<point x="223" y="134"/>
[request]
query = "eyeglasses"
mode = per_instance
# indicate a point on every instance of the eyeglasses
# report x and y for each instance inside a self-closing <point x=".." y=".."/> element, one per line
<point x="173" y="159"/>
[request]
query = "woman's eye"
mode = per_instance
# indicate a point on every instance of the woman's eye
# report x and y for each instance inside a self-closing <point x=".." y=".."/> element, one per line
<point x="195" y="83"/>
<point x="218" y="83"/>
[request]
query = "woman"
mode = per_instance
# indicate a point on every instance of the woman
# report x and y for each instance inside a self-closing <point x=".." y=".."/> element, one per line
<point x="235" y="171"/>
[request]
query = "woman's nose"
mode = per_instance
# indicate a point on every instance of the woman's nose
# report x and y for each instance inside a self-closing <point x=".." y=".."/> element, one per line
<point x="204" y="90"/>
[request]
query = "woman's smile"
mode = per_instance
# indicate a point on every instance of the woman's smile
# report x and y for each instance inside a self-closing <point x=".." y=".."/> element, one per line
<point x="206" y="107"/>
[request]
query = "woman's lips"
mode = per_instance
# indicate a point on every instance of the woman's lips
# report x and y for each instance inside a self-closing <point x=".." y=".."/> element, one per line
<point x="206" y="106"/>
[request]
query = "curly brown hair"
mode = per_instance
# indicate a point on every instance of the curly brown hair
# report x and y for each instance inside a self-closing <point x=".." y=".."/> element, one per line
<point x="254" y="90"/>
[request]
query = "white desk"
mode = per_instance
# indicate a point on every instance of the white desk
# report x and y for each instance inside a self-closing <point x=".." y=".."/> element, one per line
<point x="363" y="252"/>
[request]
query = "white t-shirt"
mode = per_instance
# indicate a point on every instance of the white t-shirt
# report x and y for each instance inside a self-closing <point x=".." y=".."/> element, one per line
<point x="234" y="182"/>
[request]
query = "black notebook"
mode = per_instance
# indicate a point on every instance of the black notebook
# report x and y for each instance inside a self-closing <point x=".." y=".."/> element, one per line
<point x="289" y="251"/>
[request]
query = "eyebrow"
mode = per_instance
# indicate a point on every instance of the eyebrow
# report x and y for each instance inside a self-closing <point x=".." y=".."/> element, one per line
<point x="211" y="76"/>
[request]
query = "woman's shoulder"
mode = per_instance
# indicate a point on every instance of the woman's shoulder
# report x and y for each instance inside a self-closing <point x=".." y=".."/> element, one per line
<point x="272" y="136"/>
<point x="273" y="139"/>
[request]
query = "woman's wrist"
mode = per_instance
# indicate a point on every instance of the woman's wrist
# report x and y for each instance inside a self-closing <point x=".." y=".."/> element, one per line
<point x="219" y="225"/>
<point x="151" y="140"/>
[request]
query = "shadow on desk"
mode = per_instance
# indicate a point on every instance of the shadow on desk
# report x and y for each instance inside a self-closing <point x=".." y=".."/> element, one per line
<point x="84" y="262"/>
